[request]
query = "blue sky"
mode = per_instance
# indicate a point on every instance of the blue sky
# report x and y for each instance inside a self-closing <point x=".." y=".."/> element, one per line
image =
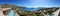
<point x="33" y="3"/>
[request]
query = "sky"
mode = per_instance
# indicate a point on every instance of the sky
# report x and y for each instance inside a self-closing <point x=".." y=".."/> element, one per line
<point x="33" y="3"/>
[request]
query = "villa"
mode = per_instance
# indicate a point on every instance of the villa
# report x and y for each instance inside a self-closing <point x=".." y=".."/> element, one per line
<point x="4" y="11"/>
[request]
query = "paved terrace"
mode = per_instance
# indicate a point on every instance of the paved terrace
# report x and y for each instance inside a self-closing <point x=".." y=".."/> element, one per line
<point x="56" y="13"/>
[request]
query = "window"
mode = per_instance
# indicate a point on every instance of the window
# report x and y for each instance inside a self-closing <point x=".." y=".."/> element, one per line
<point x="4" y="12"/>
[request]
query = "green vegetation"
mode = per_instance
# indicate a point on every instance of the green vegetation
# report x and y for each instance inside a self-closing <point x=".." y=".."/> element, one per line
<point x="23" y="15"/>
<point x="50" y="12"/>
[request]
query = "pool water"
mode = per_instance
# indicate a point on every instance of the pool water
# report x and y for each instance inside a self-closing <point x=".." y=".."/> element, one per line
<point x="11" y="13"/>
<point x="51" y="15"/>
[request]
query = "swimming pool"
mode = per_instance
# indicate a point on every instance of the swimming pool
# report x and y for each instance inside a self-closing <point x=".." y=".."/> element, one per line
<point x="11" y="13"/>
<point x="51" y="15"/>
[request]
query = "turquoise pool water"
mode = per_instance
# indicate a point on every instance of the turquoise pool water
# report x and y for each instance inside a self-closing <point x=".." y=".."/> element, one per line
<point x="11" y="13"/>
<point x="51" y="15"/>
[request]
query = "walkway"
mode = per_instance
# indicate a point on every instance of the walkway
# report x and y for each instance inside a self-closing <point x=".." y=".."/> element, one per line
<point x="56" y="13"/>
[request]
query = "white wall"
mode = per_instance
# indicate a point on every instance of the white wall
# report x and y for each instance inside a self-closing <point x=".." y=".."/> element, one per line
<point x="56" y="12"/>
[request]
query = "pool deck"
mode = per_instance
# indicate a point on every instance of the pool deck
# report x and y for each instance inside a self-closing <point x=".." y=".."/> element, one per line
<point x="16" y="14"/>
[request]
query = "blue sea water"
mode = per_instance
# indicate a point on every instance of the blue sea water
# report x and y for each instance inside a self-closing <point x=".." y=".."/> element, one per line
<point x="29" y="9"/>
<point x="11" y="13"/>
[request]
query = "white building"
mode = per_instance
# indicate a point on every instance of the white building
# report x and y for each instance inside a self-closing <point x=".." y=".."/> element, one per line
<point x="56" y="13"/>
<point x="2" y="13"/>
